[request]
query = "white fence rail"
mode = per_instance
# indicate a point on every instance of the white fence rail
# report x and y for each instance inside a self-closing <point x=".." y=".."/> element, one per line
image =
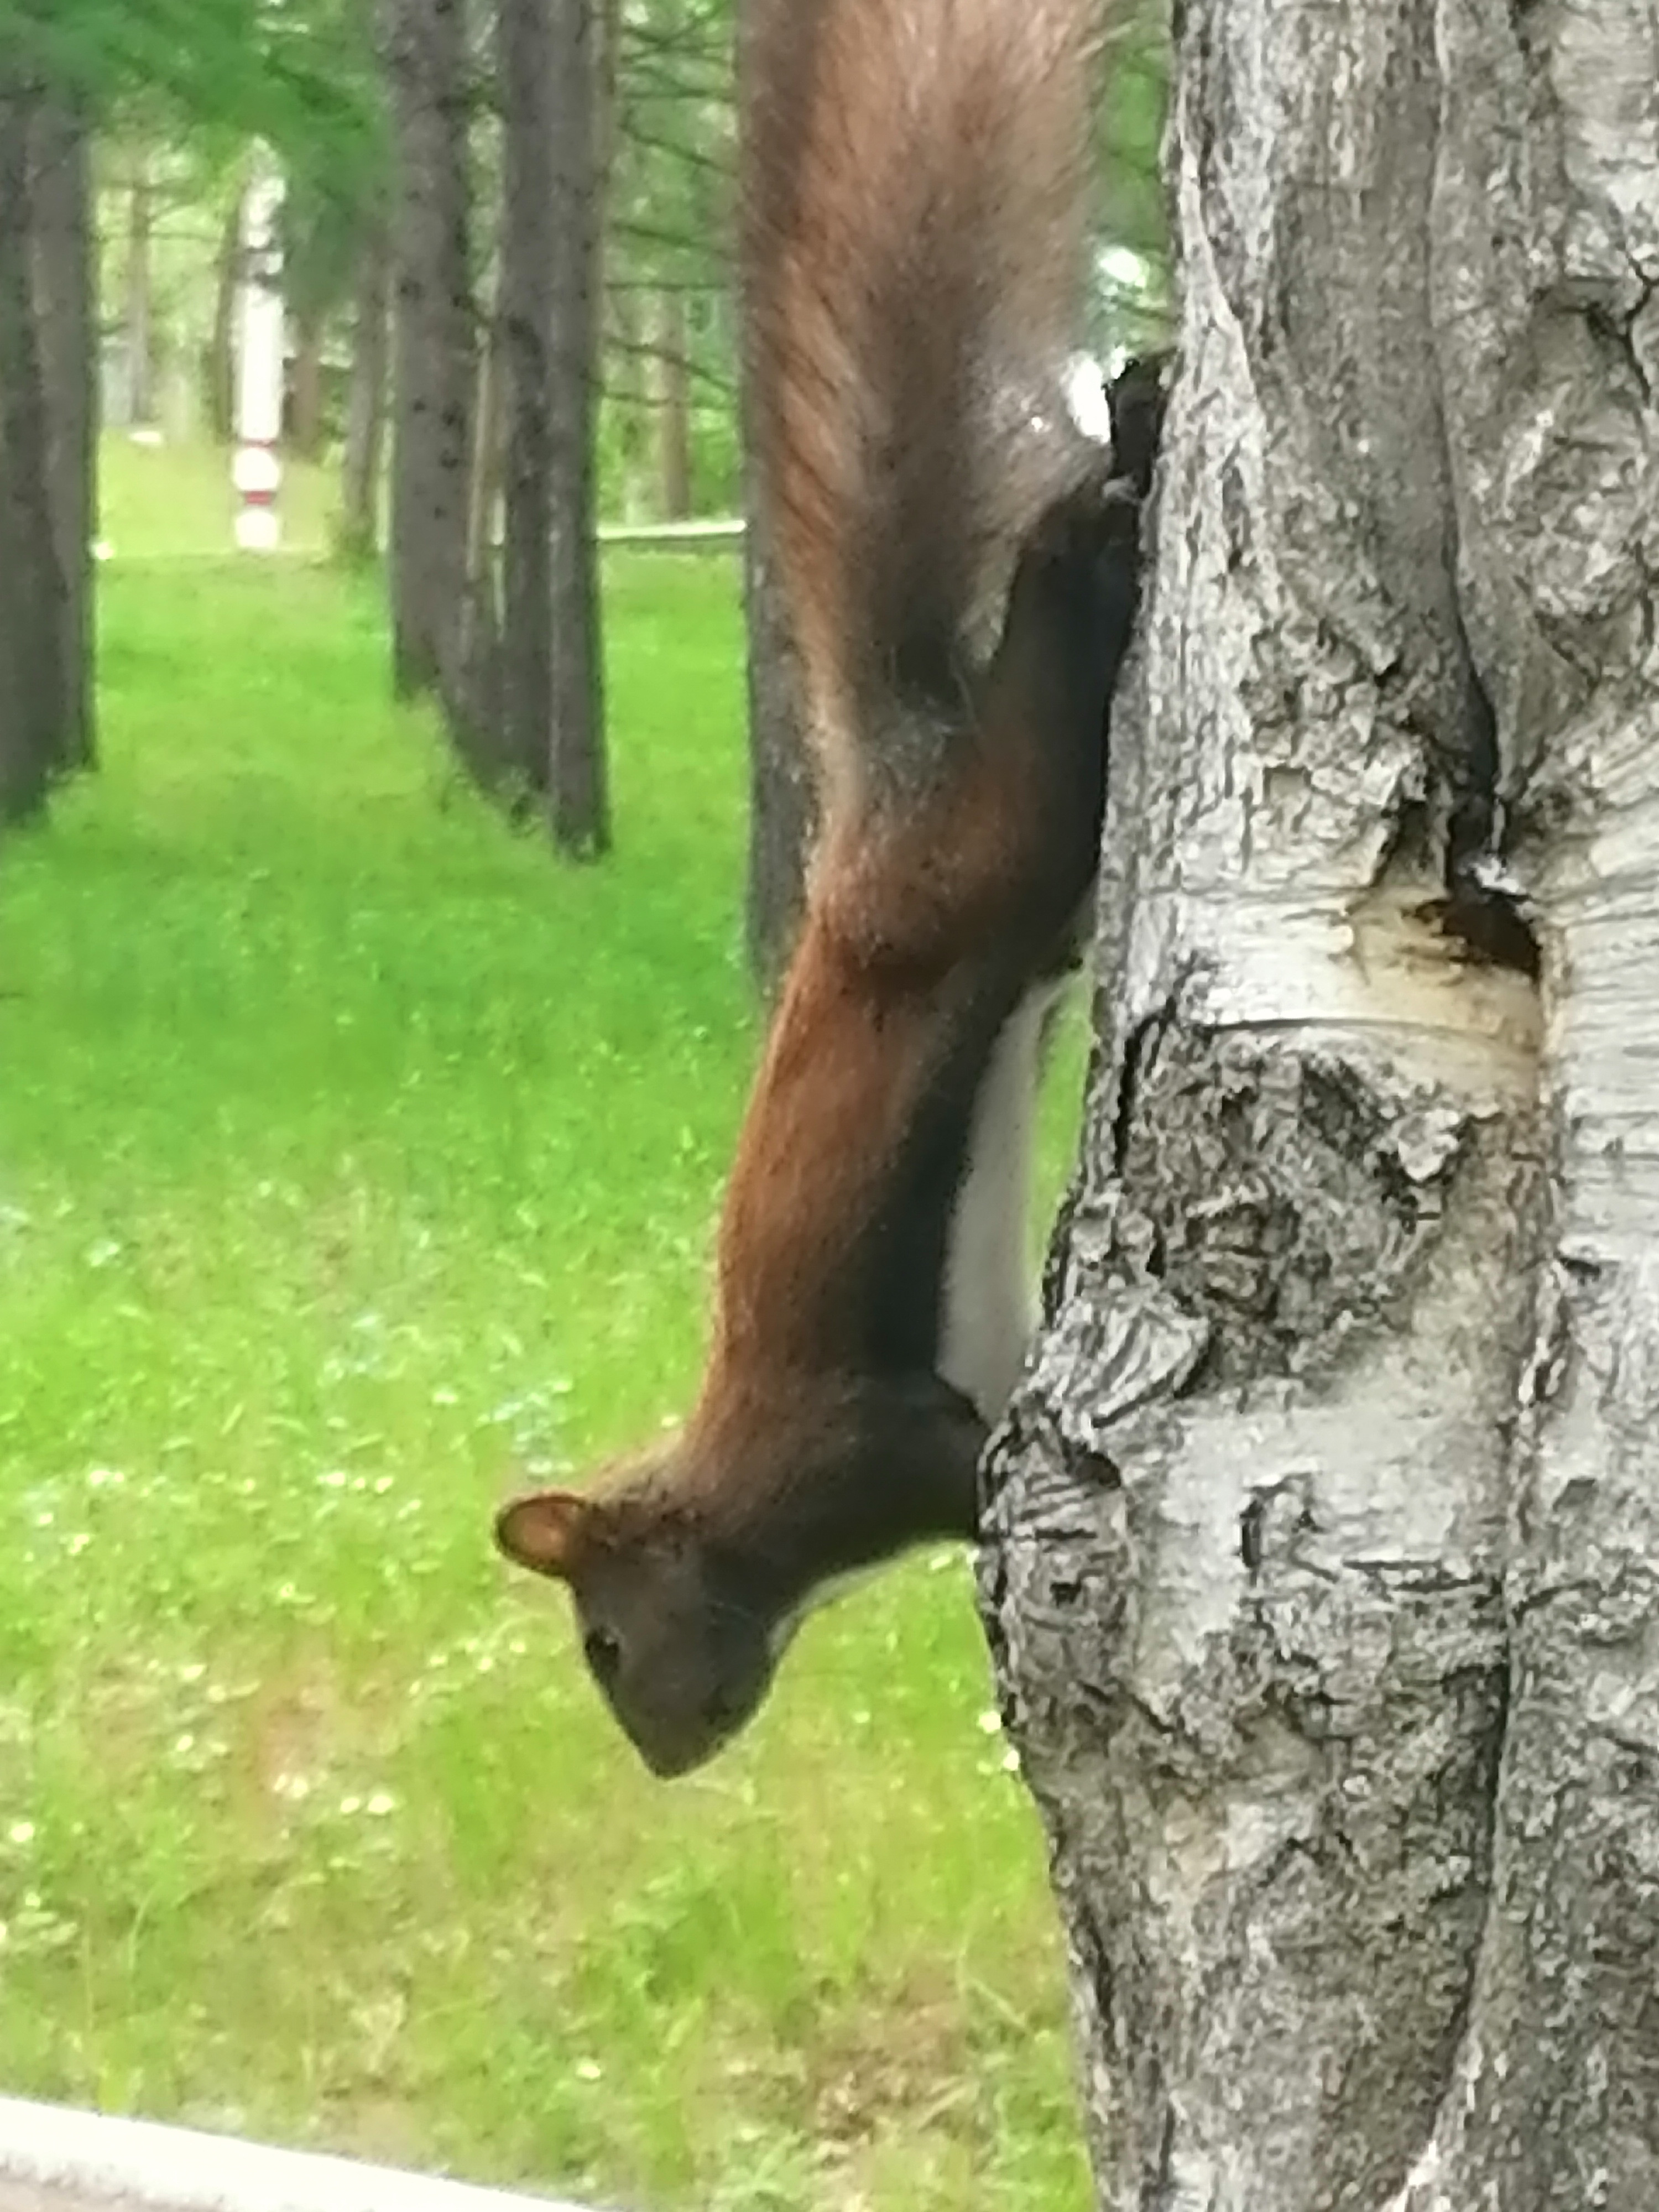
<point x="666" y="537"/>
<point x="716" y="536"/>
<point x="56" y="2159"/>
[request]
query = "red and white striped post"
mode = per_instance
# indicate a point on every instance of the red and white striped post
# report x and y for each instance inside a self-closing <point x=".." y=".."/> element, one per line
<point x="256" y="470"/>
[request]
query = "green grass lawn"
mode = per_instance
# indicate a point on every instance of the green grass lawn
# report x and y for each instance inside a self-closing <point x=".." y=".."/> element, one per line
<point x="354" y="1160"/>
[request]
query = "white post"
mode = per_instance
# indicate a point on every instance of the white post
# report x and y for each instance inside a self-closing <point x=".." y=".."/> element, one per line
<point x="257" y="471"/>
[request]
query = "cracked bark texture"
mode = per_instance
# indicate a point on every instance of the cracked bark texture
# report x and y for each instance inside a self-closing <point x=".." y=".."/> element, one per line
<point x="1321" y="1540"/>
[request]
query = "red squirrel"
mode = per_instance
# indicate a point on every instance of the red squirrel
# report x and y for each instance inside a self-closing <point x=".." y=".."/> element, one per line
<point x="960" y="566"/>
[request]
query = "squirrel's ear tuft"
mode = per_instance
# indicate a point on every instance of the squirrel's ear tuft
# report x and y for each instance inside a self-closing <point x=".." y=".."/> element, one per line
<point x="550" y="1531"/>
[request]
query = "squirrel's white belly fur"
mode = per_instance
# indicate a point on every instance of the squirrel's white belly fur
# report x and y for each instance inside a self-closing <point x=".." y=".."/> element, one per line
<point x="990" y="1294"/>
<point x="990" y="1309"/>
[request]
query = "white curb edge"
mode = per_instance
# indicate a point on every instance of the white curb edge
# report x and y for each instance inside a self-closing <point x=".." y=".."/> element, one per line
<point x="92" y="2156"/>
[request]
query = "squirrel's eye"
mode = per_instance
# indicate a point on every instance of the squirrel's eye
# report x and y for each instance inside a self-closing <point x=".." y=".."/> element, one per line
<point x="603" y="1647"/>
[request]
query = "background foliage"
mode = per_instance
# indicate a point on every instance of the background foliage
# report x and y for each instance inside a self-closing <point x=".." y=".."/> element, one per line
<point x="355" y="1160"/>
<point x="182" y="88"/>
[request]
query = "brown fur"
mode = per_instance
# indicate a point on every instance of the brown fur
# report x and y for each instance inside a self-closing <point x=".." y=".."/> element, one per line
<point x="913" y="220"/>
<point x="914" y="174"/>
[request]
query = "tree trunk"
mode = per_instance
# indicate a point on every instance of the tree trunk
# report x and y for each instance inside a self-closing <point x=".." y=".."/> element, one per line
<point x="305" y="423"/>
<point x="579" y="810"/>
<point x="619" y="354"/>
<point x="527" y="341"/>
<point x="140" y="333"/>
<point x="781" y="790"/>
<point x="66" y="324"/>
<point x="360" y="493"/>
<point x="476" y="704"/>
<point x="780" y="799"/>
<point x="1322" y="1557"/>
<point x="433" y="350"/>
<point x="221" y="358"/>
<point x="673" y="408"/>
<point x="31" y="602"/>
<point x="607" y="113"/>
<point x="625" y="388"/>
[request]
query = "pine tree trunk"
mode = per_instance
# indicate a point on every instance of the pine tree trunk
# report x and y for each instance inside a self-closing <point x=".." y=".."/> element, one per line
<point x="781" y="796"/>
<point x="365" y="435"/>
<point x="476" y="702"/>
<point x="305" y="423"/>
<point x="673" y="408"/>
<point x="780" y="806"/>
<point x="1322" y="1557"/>
<point x="221" y="361"/>
<point x="607" y="113"/>
<point x="626" y="389"/>
<point x="434" y="362"/>
<point x="140" y="331"/>
<point x="33" y="613"/>
<point x="526" y="338"/>
<point x="579" y="810"/>
<point x="66" y="324"/>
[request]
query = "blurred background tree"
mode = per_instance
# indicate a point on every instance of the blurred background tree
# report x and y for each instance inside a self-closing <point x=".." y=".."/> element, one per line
<point x="510" y="285"/>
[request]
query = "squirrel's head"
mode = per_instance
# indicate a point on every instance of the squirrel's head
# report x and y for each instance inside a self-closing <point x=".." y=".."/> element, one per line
<point x="691" y="1568"/>
<point x="680" y="1648"/>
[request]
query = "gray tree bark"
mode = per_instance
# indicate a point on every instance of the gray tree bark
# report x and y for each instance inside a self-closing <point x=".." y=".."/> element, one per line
<point x="60" y="188"/>
<point x="433" y="342"/>
<point x="33" y="706"/>
<point x="578" y="784"/>
<point x="1322" y="1557"/>
<point x="365" y="428"/>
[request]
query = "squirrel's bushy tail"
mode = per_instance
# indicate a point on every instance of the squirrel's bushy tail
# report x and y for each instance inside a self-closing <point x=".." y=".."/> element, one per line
<point x="915" y="176"/>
